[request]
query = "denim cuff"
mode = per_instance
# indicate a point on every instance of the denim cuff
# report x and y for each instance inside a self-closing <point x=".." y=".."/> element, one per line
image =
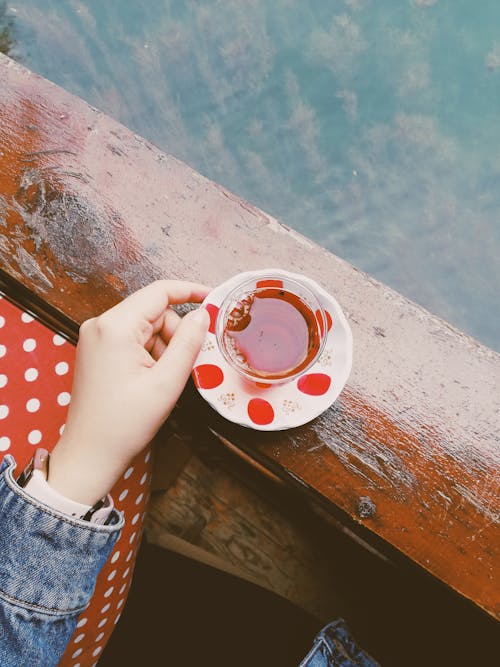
<point x="49" y="561"/>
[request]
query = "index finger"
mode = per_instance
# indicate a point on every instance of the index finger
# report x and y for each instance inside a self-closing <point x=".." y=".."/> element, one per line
<point x="150" y="302"/>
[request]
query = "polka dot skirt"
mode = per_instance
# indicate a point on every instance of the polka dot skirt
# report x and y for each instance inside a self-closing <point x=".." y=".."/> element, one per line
<point x="36" y="371"/>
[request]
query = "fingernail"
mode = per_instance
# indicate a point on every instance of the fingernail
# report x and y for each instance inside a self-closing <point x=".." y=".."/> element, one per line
<point x="201" y="316"/>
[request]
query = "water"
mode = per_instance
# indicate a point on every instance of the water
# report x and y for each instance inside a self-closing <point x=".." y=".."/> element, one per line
<point x="372" y="127"/>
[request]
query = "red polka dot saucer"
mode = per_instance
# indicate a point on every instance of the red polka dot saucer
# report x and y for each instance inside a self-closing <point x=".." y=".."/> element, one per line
<point x="274" y="407"/>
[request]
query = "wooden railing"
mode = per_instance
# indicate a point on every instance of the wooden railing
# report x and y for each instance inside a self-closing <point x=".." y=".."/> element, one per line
<point x="408" y="456"/>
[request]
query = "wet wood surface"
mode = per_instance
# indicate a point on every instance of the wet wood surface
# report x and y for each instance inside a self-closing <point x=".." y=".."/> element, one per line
<point x="408" y="456"/>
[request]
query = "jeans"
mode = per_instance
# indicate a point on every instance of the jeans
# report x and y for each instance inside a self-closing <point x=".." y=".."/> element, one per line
<point x="49" y="564"/>
<point x="334" y="647"/>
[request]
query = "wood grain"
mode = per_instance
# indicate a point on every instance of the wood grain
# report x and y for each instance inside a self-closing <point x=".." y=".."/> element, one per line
<point x="242" y="532"/>
<point x="89" y="212"/>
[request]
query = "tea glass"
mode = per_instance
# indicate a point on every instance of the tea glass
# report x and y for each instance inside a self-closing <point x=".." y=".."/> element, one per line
<point x="310" y="307"/>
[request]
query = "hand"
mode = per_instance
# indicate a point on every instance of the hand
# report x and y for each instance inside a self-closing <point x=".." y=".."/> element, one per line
<point x="132" y="363"/>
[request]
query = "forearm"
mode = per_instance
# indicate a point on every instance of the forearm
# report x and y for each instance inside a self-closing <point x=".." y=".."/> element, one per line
<point x="49" y="564"/>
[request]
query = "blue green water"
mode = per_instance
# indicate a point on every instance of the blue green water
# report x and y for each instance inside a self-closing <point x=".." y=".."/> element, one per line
<point x="372" y="127"/>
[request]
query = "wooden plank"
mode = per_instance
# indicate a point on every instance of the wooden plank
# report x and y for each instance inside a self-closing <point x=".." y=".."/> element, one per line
<point x="230" y="521"/>
<point x="89" y="212"/>
<point x="211" y="504"/>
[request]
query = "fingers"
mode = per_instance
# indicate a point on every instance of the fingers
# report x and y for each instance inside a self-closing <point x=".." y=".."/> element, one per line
<point x="170" y="323"/>
<point x="175" y="364"/>
<point x="163" y="330"/>
<point x="150" y="302"/>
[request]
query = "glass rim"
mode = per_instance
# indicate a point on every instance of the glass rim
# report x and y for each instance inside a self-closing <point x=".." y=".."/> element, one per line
<point x="250" y="282"/>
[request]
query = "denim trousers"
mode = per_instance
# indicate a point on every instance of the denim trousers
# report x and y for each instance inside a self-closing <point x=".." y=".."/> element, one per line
<point x="335" y="647"/>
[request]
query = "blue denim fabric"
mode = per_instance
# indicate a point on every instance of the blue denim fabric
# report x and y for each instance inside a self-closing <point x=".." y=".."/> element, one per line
<point x="49" y="564"/>
<point x="335" y="647"/>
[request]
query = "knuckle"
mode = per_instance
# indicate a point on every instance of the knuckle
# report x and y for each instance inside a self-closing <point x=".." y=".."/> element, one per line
<point x="146" y="329"/>
<point x="104" y="325"/>
<point x="86" y="327"/>
<point x="161" y="285"/>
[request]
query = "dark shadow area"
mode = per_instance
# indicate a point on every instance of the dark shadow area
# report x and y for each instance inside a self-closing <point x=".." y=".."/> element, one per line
<point x="182" y="613"/>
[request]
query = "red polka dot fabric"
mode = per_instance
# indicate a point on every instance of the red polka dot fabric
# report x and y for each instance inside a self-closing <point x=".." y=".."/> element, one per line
<point x="36" y="372"/>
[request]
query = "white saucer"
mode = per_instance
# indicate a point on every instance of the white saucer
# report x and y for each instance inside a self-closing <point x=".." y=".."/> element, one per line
<point x="281" y="406"/>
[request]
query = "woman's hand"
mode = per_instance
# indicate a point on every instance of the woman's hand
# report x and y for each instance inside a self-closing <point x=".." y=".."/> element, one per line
<point x="132" y="363"/>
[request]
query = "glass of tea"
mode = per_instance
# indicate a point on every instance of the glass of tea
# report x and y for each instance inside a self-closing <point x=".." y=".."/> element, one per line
<point x="271" y="328"/>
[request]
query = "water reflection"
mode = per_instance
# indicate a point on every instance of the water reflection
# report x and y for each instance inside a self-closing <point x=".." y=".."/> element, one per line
<point x="6" y="29"/>
<point x="371" y="127"/>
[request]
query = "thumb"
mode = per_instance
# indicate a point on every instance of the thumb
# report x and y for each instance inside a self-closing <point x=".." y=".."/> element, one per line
<point x="176" y="363"/>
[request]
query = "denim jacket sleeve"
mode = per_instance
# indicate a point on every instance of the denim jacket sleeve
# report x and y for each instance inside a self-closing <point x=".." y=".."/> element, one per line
<point x="49" y="564"/>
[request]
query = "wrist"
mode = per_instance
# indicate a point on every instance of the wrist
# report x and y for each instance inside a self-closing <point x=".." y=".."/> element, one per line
<point x="34" y="480"/>
<point x="82" y="474"/>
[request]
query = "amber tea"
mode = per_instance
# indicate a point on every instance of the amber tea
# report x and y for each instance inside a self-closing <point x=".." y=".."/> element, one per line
<point x="271" y="333"/>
